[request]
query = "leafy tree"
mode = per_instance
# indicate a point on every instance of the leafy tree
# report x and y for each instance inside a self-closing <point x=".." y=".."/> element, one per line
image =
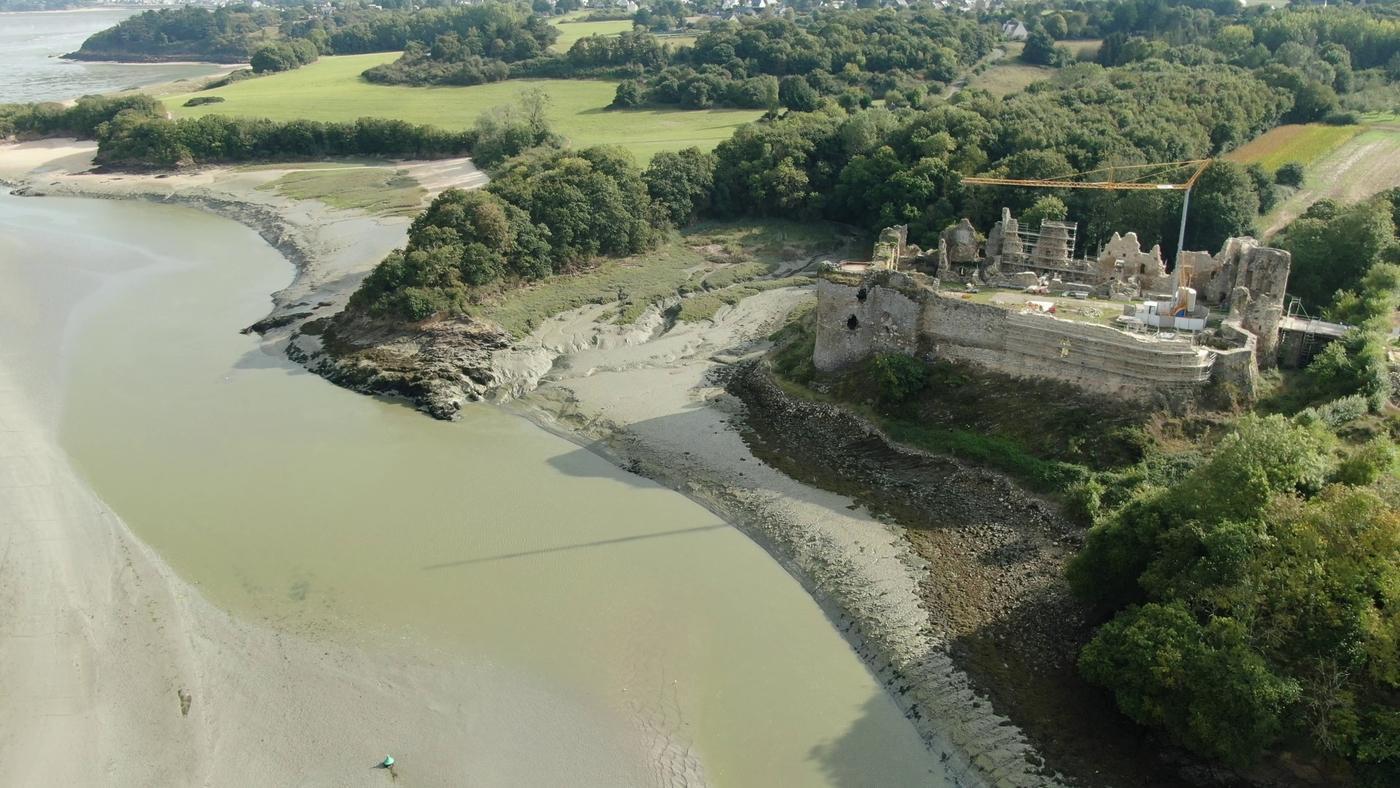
<point x="283" y="56"/>
<point x="629" y="94"/>
<point x="544" y="211"/>
<point x="1334" y="247"/>
<point x="1255" y="596"/>
<point x="680" y="183"/>
<point x="1204" y="684"/>
<point x="797" y="94"/>
<point x="1126" y="556"/>
<point x="1223" y="204"/>
<point x="1040" y="48"/>
<point x="506" y="131"/>
<point x="1356" y="364"/>
<point x="1046" y="208"/>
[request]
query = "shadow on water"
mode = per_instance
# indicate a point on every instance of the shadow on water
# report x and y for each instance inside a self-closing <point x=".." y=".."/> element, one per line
<point x="845" y="760"/>
<point x="597" y="461"/>
<point x="259" y="358"/>
<point x="579" y="546"/>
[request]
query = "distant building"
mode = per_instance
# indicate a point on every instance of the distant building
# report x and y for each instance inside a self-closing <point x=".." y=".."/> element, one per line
<point x="1014" y="30"/>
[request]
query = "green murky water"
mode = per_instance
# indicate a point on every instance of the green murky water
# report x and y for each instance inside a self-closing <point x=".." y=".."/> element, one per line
<point x="334" y="515"/>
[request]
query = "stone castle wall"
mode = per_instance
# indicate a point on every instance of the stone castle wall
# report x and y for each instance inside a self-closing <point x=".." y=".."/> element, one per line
<point x="860" y="319"/>
<point x="912" y="318"/>
<point x="1093" y="357"/>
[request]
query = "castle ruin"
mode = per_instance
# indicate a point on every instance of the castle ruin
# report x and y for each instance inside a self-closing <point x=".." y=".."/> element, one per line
<point x="1215" y="318"/>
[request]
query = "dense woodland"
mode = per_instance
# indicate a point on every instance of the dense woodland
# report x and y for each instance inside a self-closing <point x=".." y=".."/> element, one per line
<point x="224" y="35"/>
<point x="237" y="33"/>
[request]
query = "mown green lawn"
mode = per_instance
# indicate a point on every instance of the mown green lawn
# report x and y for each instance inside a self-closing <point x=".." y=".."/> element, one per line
<point x="331" y="90"/>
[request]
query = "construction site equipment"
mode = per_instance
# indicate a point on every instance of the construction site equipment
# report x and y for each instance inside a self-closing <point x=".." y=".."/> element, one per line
<point x="1138" y="183"/>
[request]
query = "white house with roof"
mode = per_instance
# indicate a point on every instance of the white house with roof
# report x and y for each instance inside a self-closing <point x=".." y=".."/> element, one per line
<point x="1014" y="30"/>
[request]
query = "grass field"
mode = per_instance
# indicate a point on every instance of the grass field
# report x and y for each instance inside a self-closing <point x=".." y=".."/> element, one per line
<point x="571" y="31"/>
<point x="383" y="191"/>
<point x="1087" y="47"/>
<point x="331" y="89"/>
<point x="1003" y="79"/>
<point x="1009" y="75"/>
<point x="1364" y="164"/>
<point x="677" y="40"/>
<point x="1303" y="144"/>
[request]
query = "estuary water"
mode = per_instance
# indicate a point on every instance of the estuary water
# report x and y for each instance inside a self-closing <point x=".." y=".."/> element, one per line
<point x="31" y="69"/>
<point x="328" y="514"/>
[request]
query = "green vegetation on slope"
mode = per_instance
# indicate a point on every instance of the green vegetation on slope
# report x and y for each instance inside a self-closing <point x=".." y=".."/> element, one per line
<point x="1294" y="143"/>
<point x="331" y="90"/>
<point x="708" y="263"/>
<point x="1256" y="599"/>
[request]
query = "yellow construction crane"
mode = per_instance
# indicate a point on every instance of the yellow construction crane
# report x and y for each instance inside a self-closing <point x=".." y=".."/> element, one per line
<point x="1135" y="184"/>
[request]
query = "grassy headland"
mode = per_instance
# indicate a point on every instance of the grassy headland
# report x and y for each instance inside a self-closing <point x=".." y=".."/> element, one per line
<point x="331" y="90"/>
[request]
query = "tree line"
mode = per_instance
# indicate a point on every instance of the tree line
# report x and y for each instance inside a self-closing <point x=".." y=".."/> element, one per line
<point x="1341" y="58"/>
<point x="876" y="167"/>
<point x="280" y="38"/>
<point x="1253" y="598"/>
<point x="81" y="120"/>
<point x="547" y="210"/>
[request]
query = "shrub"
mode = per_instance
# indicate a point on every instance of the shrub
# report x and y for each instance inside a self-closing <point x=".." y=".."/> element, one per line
<point x="1343" y="410"/>
<point x="199" y="101"/>
<point x="1368" y="463"/>
<point x="898" y="376"/>
<point x="1290" y="174"/>
<point x="1084" y="501"/>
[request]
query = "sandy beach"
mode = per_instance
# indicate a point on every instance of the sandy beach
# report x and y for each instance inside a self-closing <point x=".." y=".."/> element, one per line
<point x="650" y="401"/>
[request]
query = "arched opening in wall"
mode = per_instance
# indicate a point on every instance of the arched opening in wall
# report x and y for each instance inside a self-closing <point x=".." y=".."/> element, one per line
<point x="852" y="323"/>
<point x="861" y="295"/>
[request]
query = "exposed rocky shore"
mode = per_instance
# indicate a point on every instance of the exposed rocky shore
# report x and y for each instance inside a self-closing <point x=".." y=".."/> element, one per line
<point x="438" y="367"/>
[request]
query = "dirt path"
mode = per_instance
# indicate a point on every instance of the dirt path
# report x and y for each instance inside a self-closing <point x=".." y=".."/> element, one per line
<point x="1367" y="164"/>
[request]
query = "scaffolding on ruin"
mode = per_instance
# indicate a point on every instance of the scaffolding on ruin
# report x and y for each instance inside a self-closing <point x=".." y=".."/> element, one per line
<point x="1048" y="249"/>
